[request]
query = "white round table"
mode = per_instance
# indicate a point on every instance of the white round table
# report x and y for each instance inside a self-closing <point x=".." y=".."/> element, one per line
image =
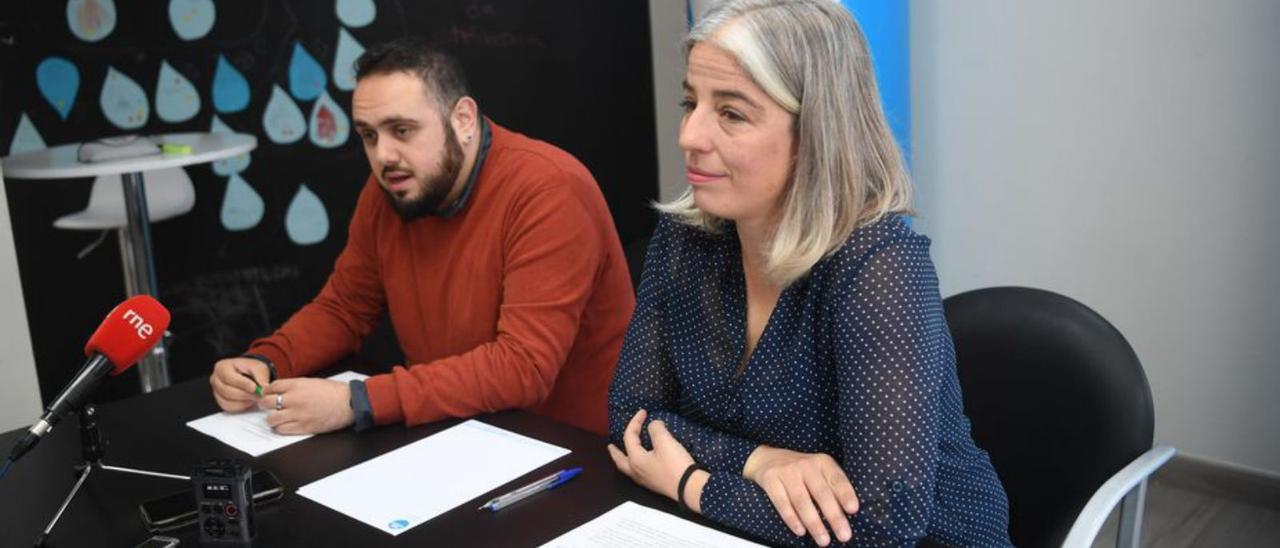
<point x="61" y="162"/>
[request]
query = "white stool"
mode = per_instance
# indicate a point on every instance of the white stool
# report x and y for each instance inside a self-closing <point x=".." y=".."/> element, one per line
<point x="169" y="193"/>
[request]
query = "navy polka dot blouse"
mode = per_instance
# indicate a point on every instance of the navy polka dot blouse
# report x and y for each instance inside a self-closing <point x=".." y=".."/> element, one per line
<point x="856" y="361"/>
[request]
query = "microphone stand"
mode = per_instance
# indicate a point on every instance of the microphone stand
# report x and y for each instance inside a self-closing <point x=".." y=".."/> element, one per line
<point x="92" y="449"/>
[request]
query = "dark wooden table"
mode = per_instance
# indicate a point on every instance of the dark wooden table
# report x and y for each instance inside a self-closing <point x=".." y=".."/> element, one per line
<point x="149" y="432"/>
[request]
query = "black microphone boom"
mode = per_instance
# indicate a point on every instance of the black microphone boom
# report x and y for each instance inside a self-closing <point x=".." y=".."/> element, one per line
<point x="71" y="398"/>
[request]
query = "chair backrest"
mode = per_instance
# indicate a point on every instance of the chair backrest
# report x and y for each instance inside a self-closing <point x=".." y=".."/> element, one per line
<point x="1055" y="395"/>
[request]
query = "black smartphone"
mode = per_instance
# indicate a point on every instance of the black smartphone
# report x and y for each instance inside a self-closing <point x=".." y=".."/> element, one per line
<point x="179" y="509"/>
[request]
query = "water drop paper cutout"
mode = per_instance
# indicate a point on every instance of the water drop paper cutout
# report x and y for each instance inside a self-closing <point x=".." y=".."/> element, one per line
<point x="306" y="220"/>
<point x="344" y="62"/>
<point x="234" y="164"/>
<point x="26" y="138"/>
<point x="91" y="20"/>
<point x="242" y="207"/>
<point x="123" y="101"/>
<point x="230" y="89"/>
<point x="306" y="77"/>
<point x="176" y="99"/>
<point x="58" y="81"/>
<point x="191" y="19"/>
<point x="356" y="13"/>
<point x="282" y="119"/>
<point x="329" y="124"/>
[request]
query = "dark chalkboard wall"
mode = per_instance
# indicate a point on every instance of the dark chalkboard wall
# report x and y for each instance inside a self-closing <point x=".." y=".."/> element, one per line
<point x="576" y="73"/>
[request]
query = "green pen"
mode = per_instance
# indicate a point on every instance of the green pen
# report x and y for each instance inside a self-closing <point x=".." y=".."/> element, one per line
<point x="257" y="388"/>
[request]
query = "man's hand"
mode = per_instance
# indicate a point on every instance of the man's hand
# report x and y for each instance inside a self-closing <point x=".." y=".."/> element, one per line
<point x="795" y="481"/>
<point x="235" y="382"/>
<point x="308" y="406"/>
<point x="660" y="469"/>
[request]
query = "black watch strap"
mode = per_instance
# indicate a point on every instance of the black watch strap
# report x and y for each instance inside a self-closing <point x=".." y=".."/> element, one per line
<point x="270" y="366"/>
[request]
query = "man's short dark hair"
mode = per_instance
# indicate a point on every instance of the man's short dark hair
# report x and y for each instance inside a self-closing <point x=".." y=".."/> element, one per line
<point x="440" y="73"/>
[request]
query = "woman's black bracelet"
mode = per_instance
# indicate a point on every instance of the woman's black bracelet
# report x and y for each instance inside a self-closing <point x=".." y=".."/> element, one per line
<point x="684" y="480"/>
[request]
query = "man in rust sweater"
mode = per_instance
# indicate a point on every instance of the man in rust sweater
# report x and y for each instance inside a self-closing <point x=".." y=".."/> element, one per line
<point x="493" y="253"/>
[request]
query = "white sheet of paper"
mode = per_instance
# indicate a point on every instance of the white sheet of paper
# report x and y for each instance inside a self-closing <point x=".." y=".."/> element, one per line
<point x="249" y="431"/>
<point x="406" y="487"/>
<point x="631" y="525"/>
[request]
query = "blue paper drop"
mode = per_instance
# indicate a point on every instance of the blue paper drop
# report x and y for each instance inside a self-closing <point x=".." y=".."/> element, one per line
<point x="356" y="13"/>
<point x="306" y="220"/>
<point x="242" y="207"/>
<point x="234" y="164"/>
<point x="306" y="76"/>
<point x="176" y="99"/>
<point x="282" y="119"/>
<point x="344" y="61"/>
<point x="329" y="125"/>
<point x="191" y="19"/>
<point x="91" y="20"/>
<point x="123" y="102"/>
<point x="26" y="138"/>
<point x="230" y="89"/>
<point x="58" y="81"/>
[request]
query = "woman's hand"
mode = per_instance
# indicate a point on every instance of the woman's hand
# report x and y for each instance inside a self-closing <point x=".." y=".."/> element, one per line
<point x="658" y="470"/>
<point x="796" y="481"/>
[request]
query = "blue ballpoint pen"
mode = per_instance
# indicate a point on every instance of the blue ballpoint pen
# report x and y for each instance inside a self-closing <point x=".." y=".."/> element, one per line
<point x="545" y="484"/>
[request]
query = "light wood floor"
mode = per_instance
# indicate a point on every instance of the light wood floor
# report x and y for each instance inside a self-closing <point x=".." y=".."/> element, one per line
<point x="1181" y="514"/>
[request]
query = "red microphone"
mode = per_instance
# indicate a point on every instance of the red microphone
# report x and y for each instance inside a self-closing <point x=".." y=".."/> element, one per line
<point x="128" y="332"/>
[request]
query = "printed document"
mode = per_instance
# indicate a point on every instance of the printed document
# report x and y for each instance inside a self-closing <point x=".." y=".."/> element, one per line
<point x="632" y="525"/>
<point x="406" y="487"/>
<point x="248" y="431"/>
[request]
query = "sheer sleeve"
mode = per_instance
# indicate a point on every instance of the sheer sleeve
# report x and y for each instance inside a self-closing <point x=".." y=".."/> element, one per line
<point x="646" y="379"/>
<point x="887" y="339"/>
<point x="891" y="343"/>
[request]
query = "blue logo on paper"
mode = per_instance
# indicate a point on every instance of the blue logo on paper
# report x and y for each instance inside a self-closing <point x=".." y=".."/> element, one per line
<point x="398" y="524"/>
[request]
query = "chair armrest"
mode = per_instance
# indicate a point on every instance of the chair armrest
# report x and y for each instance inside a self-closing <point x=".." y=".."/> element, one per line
<point x="1104" y="500"/>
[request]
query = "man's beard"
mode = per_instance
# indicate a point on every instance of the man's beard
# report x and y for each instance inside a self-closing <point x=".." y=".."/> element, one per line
<point x="436" y="188"/>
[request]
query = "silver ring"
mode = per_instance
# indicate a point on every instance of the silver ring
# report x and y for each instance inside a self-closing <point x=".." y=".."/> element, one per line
<point x="279" y="402"/>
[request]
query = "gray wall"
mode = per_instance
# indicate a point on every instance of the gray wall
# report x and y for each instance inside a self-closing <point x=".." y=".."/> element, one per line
<point x="668" y="22"/>
<point x="1126" y="154"/>
<point x="19" y="391"/>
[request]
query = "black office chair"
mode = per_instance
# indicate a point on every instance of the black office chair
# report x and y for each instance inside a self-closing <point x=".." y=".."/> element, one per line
<point x="1059" y="399"/>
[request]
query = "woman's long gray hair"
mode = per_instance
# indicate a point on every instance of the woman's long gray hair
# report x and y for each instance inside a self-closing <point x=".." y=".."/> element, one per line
<point x="811" y="58"/>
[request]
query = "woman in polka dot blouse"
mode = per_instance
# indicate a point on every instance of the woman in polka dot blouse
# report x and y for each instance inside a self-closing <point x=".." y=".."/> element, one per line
<point x="788" y="371"/>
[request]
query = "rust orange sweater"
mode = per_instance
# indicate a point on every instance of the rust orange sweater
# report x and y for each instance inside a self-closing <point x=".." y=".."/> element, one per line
<point x="519" y="300"/>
